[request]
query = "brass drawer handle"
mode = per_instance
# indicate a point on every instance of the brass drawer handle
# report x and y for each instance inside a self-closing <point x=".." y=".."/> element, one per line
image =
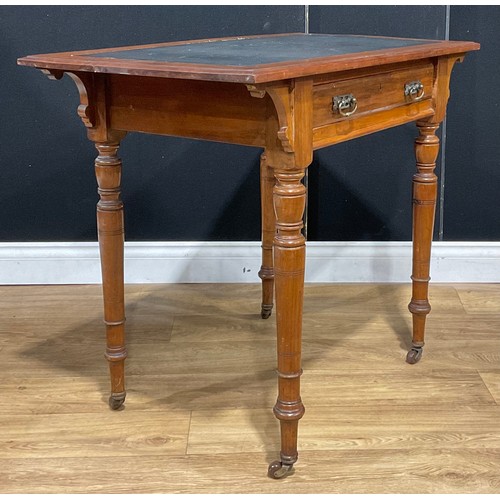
<point x="414" y="90"/>
<point x="346" y="105"/>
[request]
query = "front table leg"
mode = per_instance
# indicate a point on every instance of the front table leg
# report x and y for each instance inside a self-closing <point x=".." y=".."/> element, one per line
<point x="289" y="262"/>
<point x="111" y="234"/>
<point x="424" y="207"/>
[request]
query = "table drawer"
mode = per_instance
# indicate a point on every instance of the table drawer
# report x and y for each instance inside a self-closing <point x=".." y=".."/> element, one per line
<point x="349" y="98"/>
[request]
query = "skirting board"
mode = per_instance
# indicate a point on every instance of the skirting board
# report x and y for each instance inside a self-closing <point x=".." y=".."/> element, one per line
<point x="239" y="262"/>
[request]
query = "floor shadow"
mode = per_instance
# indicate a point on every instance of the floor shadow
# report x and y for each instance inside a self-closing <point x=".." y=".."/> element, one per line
<point x="66" y="354"/>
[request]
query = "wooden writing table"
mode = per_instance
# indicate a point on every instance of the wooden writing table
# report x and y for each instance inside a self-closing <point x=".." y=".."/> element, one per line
<point x="289" y="94"/>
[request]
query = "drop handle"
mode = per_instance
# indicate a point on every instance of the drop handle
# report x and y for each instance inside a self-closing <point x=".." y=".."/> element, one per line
<point x="344" y="105"/>
<point x="414" y="90"/>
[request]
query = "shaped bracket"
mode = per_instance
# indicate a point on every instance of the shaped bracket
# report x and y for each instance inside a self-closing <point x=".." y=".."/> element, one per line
<point x="85" y="85"/>
<point x="282" y="97"/>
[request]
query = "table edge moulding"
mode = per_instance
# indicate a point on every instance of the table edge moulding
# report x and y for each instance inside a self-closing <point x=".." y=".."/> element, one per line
<point x="289" y="94"/>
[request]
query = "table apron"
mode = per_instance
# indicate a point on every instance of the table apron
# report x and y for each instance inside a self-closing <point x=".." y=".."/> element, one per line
<point x="370" y="122"/>
<point x="215" y="111"/>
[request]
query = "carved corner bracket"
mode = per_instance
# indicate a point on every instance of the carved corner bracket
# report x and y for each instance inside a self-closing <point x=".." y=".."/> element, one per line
<point x="85" y="85"/>
<point x="441" y="94"/>
<point x="292" y="126"/>
<point x="282" y="97"/>
<point x="256" y="91"/>
<point x="53" y="74"/>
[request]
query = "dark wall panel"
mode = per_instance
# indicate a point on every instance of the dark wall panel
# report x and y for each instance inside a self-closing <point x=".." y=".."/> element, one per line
<point x="408" y="21"/>
<point x="361" y="190"/>
<point x="472" y="195"/>
<point x="173" y="189"/>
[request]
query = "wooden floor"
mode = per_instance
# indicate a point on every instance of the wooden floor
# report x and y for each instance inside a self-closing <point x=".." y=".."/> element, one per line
<point x="201" y="385"/>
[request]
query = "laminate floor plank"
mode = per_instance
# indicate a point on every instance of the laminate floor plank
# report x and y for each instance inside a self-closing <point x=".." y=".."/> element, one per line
<point x="491" y="379"/>
<point x="347" y="427"/>
<point x="112" y="434"/>
<point x="213" y="299"/>
<point x="345" y="471"/>
<point x="479" y="298"/>
<point x="71" y="359"/>
<point x="219" y="391"/>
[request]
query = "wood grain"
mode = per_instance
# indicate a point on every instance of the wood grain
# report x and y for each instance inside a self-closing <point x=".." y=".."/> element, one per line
<point x="345" y="130"/>
<point x="491" y="379"/>
<point x="234" y="115"/>
<point x="346" y="471"/>
<point x="482" y="298"/>
<point x="126" y="433"/>
<point x="381" y="298"/>
<point x="377" y="91"/>
<point x="369" y="428"/>
<point x="43" y="395"/>
<point x="344" y="428"/>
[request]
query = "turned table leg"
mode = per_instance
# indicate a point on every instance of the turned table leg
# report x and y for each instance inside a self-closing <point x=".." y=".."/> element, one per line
<point x="289" y="263"/>
<point x="424" y="206"/>
<point x="111" y="230"/>
<point x="266" y="273"/>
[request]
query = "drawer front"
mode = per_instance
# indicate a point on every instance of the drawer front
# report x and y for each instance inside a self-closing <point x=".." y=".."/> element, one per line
<point x="349" y="98"/>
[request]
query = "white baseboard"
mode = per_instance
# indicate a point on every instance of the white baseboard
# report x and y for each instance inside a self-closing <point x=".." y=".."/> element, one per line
<point x="239" y="262"/>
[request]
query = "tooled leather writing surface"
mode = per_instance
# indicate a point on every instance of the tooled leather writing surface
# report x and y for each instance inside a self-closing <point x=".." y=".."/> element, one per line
<point x="266" y="50"/>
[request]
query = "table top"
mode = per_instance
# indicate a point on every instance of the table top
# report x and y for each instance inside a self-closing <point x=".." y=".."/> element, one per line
<point x="253" y="59"/>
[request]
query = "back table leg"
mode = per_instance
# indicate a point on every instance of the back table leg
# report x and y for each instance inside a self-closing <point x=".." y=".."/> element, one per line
<point x="266" y="272"/>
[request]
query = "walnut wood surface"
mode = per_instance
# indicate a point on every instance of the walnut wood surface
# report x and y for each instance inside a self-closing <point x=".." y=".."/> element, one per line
<point x="285" y="108"/>
<point x="378" y="91"/>
<point x="182" y="107"/>
<point x="424" y="207"/>
<point x="110" y="228"/>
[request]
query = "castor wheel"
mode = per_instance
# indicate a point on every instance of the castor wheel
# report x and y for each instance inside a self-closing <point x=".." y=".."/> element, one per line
<point x="266" y="311"/>
<point x="116" y="401"/>
<point x="414" y="355"/>
<point x="278" y="470"/>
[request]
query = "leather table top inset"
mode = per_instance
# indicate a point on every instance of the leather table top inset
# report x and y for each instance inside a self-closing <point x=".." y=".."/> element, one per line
<point x="268" y="50"/>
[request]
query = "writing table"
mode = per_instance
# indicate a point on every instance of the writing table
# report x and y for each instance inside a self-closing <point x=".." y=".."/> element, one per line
<point x="289" y="94"/>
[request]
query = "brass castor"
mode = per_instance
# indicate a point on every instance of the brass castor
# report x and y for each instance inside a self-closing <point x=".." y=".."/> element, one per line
<point x="266" y="311"/>
<point x="278" y="470"/>
<point x="414" y="355"/>
<point x="116" y="401"/>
